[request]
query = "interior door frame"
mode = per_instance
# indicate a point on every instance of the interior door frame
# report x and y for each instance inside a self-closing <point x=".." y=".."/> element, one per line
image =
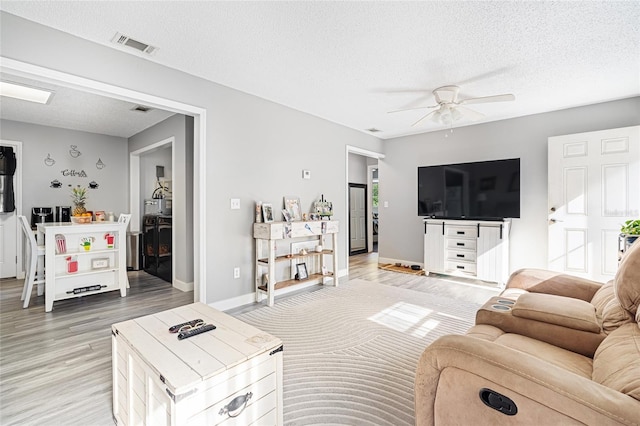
<point x="199" y="145"/>
<point x="17" y="147"/>
<point x="350" y="149"/>
<point x="366" y="216"/>
<point x="136" y="202"/>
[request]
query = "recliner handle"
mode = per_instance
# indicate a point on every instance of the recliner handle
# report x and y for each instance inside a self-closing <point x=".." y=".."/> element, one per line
<point x="498" y="402"/>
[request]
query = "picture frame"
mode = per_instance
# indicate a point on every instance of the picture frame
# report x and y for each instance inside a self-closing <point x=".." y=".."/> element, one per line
<point x="292" y="205"/>
<point x="286" y="215"/>
<point x="100" y="216"/>
<point x="302" y="271"/>
<point x="267" y="212"/>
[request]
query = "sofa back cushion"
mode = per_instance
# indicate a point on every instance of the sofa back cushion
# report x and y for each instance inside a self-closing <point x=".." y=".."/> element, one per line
<point x="603" y="296"/>
<point x="627" y="280"/>
<point x="616" y="363"/>
<point x="614" y="315"/>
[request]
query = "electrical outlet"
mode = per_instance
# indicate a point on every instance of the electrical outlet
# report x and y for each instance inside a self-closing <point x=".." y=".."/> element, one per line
<point x="235" y="204"/>
<point x="236" y="272"/>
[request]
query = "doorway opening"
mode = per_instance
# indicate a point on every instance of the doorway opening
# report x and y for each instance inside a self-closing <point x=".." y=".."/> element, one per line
<point x="360" y="164"/>
<point x="358" y="241"/>
<point x="199" y="145"/>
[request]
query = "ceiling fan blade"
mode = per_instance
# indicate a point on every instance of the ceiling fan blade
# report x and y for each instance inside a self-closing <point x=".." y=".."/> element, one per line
<point x="485" y="99"/>
<point x="469" y="113"/>
<point x="424" y="118"/>
<point x="411" y="109"/>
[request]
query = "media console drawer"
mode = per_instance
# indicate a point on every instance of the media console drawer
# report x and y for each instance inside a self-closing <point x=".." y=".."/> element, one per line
<point x="229" y="375"/>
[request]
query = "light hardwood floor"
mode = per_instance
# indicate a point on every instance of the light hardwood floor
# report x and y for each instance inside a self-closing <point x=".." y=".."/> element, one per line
<point x="55" y="368"/>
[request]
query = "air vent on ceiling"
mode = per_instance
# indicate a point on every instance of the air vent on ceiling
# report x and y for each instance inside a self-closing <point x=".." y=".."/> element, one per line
<point x="141" y="108"/>
<point x="373" y="130"/>
<point x="135" y="44"/>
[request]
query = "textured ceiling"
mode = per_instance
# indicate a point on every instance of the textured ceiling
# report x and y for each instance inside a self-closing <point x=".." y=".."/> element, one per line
<point x="352" y="62"/>
<point x="76" y="110"/>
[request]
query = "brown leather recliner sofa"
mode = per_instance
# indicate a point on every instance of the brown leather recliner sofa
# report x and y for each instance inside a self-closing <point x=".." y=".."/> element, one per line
<point x="550" y="350"/>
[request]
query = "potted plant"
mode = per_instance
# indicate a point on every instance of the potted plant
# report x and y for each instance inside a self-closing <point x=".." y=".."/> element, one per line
<point x="630" y="231"/>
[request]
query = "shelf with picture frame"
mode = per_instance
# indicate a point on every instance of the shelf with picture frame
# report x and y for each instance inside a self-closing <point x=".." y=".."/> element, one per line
<point x="276" y="244"/>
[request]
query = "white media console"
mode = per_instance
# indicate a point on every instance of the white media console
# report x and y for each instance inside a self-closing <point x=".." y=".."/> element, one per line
<point x="468" y="248"/>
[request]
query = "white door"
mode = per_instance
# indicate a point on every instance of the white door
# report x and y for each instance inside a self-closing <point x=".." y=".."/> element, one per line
<point x="593" y="188"/>
<point x="9" y="230"/>
<point x="357" y="217"/>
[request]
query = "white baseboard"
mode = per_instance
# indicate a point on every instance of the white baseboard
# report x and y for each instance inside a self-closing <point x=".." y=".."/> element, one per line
<point x="247" y="299"/>
<point x="181" y="285"/>
<point x="383" y="260"/>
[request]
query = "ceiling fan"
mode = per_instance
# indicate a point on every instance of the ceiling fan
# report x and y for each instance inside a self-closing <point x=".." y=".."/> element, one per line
<point x="450" y="109"/>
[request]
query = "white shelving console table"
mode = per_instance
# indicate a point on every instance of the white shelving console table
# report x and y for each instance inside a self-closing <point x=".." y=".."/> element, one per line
<point x="112" y="275"/>
<point x="468" y="248"/>
<point x="266" y="235"/>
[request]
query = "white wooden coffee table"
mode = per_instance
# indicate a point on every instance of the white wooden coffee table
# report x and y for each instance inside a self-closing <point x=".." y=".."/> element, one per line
<point x="230" y="375"/>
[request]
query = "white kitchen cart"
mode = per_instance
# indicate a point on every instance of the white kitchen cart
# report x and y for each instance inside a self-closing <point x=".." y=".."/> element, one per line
<point x="228" y="376"/>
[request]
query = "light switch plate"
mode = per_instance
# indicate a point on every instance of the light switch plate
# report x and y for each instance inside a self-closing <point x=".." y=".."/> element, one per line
<point x="306" y="174"/>
<point x="235" y="204"/>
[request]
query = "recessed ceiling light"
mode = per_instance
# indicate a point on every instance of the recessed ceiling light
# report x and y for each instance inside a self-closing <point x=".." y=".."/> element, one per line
<point x="25" y="93"/>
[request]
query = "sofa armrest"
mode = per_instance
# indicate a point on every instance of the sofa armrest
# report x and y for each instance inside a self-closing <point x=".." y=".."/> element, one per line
<point x="452" y="371"/>
<point x="549" y="282"/>
<point x="559" y="310"/>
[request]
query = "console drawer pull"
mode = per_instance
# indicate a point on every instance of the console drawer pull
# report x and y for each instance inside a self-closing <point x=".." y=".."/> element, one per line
<point x="459" y="255"/>
<point x="460" y="244"/>
<point x="459" y="266"/>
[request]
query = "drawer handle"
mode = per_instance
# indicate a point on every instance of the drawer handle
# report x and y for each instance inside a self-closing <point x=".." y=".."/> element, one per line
<point x="459" y="255"/>
<point x="236" y="406"/>
<point x="460" y="244"/>
<point x="459" y="266"/>
<point x="460" y="232"/>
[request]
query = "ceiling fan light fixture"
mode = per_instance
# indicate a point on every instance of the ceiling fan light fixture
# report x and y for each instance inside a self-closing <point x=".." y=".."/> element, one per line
<point x="455" y="114"/>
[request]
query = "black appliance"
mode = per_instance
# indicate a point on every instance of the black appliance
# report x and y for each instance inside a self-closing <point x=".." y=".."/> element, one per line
<point x="8" y="166"/>
<point x="41" y="215"/>
<point x="486" y="190"/>
<point x="156" y="235"/>
<point x="63" y="214"/>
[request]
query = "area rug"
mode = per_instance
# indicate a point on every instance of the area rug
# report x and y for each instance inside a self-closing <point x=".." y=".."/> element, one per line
<point x="350" y="353"/>
<point x="394" y="268"/>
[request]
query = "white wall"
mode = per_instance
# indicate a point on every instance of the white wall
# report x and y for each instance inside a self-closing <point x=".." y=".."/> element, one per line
<point x="148" y="163"/>
<point x="40" y="141"/>
<point x="255" y="149"/>
<point x="401" y="230"/>
<point x="357" y="168"/>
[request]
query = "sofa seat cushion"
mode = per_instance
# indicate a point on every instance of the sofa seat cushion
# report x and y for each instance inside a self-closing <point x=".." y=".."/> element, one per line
<point x="616" y="363"/>
<point x="570" y="361"/>
<point x="565" y="311"/>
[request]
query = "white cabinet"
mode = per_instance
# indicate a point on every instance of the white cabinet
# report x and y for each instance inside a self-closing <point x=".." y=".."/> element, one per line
<point x="91" y="263"/>
<point x="320" y="233"/>
<point x="231" y="375"/>
<point x="477" y="249"/>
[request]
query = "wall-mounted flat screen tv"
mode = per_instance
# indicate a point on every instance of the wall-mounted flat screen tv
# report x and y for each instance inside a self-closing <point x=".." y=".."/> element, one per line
<point x="486" y="190"/>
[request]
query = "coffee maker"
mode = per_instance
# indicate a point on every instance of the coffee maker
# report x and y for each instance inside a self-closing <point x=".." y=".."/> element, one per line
<point x="63" y="214"/>
<point x="41" y="215"/>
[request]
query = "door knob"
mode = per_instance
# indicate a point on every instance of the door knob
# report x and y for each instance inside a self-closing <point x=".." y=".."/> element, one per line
<point x="555" y="220"/>
<point x="552" y="209"/>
